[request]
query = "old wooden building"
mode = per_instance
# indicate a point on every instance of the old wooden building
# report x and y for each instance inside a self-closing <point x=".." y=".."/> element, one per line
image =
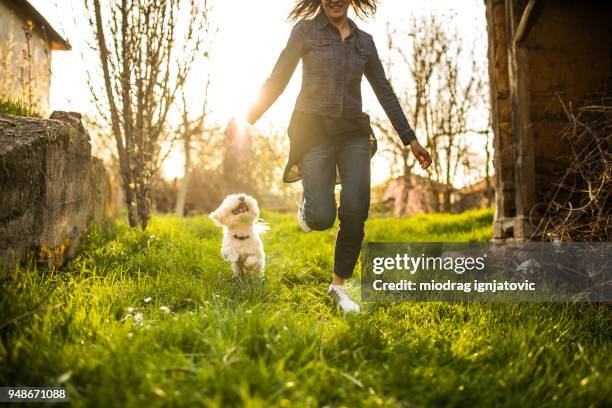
<point x="545" y="56"/>
<point x="27" y="41"/>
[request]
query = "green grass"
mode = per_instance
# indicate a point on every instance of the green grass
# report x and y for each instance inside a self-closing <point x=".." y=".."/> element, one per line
<point x="17" y="108"/>
<point x="280" y="342"/>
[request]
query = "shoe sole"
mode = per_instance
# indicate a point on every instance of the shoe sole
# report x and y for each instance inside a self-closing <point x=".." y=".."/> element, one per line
<point x="303" y="226"/>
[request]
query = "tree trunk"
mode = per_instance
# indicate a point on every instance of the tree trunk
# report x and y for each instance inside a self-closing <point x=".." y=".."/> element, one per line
<point x="184" y="188"/>
<point x="130" y="202"/>
<point x="144" y="204"/>
<point x="406" y="183"/>
<point x="447" y="201"/>
<point x="446" y="205"/>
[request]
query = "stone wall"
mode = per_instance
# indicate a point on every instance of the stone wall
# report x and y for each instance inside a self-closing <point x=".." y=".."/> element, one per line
<point x="50" y="187"/>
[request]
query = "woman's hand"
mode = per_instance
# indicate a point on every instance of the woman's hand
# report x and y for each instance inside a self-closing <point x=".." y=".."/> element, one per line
<point x="420" y="153"/>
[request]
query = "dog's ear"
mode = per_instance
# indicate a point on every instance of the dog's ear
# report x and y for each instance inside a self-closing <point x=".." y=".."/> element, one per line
<point x="216" y="217"/>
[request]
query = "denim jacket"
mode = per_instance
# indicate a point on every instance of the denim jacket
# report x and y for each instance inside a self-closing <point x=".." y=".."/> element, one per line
<point x="331" y="74"/>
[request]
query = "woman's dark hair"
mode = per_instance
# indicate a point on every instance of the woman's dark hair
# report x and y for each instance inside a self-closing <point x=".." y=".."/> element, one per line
<point x="309" y="8"/>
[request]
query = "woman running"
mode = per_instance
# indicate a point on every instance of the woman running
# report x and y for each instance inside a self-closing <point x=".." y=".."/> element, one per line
<point x="331" y="140"/>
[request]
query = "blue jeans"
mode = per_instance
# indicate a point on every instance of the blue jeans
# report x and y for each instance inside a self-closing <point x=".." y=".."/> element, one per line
<point x="318" y="168"/>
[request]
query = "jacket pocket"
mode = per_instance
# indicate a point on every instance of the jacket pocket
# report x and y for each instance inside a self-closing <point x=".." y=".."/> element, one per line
<point x="320" y="50"/>
<point x="363" y="50"/>
<point x="362" y="53"/>
<point x="318" y="42"/>
<point x="360" y="58"/>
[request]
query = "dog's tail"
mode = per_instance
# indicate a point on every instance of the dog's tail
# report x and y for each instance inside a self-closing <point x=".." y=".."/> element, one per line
<point x="260" y="226"/>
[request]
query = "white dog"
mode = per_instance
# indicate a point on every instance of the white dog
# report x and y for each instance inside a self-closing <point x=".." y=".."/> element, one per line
<point x="242" y="246"/>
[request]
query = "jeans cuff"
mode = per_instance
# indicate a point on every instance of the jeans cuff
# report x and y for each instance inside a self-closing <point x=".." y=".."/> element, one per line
<point x="343" y="274"/>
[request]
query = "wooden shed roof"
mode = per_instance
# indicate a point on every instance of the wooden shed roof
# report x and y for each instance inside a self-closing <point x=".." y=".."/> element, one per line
<point x="28" y="11"/>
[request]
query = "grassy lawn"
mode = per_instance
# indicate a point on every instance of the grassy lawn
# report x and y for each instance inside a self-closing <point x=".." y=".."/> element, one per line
<point x="196" y="337"/>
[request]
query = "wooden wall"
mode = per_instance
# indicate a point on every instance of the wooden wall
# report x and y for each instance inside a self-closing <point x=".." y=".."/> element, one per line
<point x="545" y="56"/>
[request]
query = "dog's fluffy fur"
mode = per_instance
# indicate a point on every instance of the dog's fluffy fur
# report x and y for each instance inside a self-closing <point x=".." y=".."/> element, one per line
<point x="242" y="246"/>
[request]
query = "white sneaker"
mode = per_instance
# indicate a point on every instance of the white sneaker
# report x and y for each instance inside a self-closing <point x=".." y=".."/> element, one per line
<point x="342" y="299"/>
<point x="300" y="215"/>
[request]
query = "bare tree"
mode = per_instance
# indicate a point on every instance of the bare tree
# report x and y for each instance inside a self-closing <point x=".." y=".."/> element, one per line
<point x="146" y="49"/>
<point x="194" y="131"/>
<point x="191" y="131"/>
<point x="420" y="57"/>
<point x="443" y="89"/>
<point x="456" y="95"/>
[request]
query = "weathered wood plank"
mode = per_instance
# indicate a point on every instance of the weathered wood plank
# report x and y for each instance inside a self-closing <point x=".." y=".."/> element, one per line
<point x="528" y="20"/>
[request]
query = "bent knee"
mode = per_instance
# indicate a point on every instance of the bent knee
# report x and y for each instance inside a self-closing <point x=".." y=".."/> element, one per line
<point x="322" y="221"/>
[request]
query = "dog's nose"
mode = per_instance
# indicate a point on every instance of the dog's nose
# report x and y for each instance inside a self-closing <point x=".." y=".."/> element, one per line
<point x="241" y="198"/>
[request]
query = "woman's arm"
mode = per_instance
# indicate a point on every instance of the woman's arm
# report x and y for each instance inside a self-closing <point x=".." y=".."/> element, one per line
<point x="375" y="74"/>
<point x="281" y="74"/>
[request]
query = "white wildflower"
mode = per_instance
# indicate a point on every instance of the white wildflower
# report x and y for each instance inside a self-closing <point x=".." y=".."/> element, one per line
<point x="138" y="318"/>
